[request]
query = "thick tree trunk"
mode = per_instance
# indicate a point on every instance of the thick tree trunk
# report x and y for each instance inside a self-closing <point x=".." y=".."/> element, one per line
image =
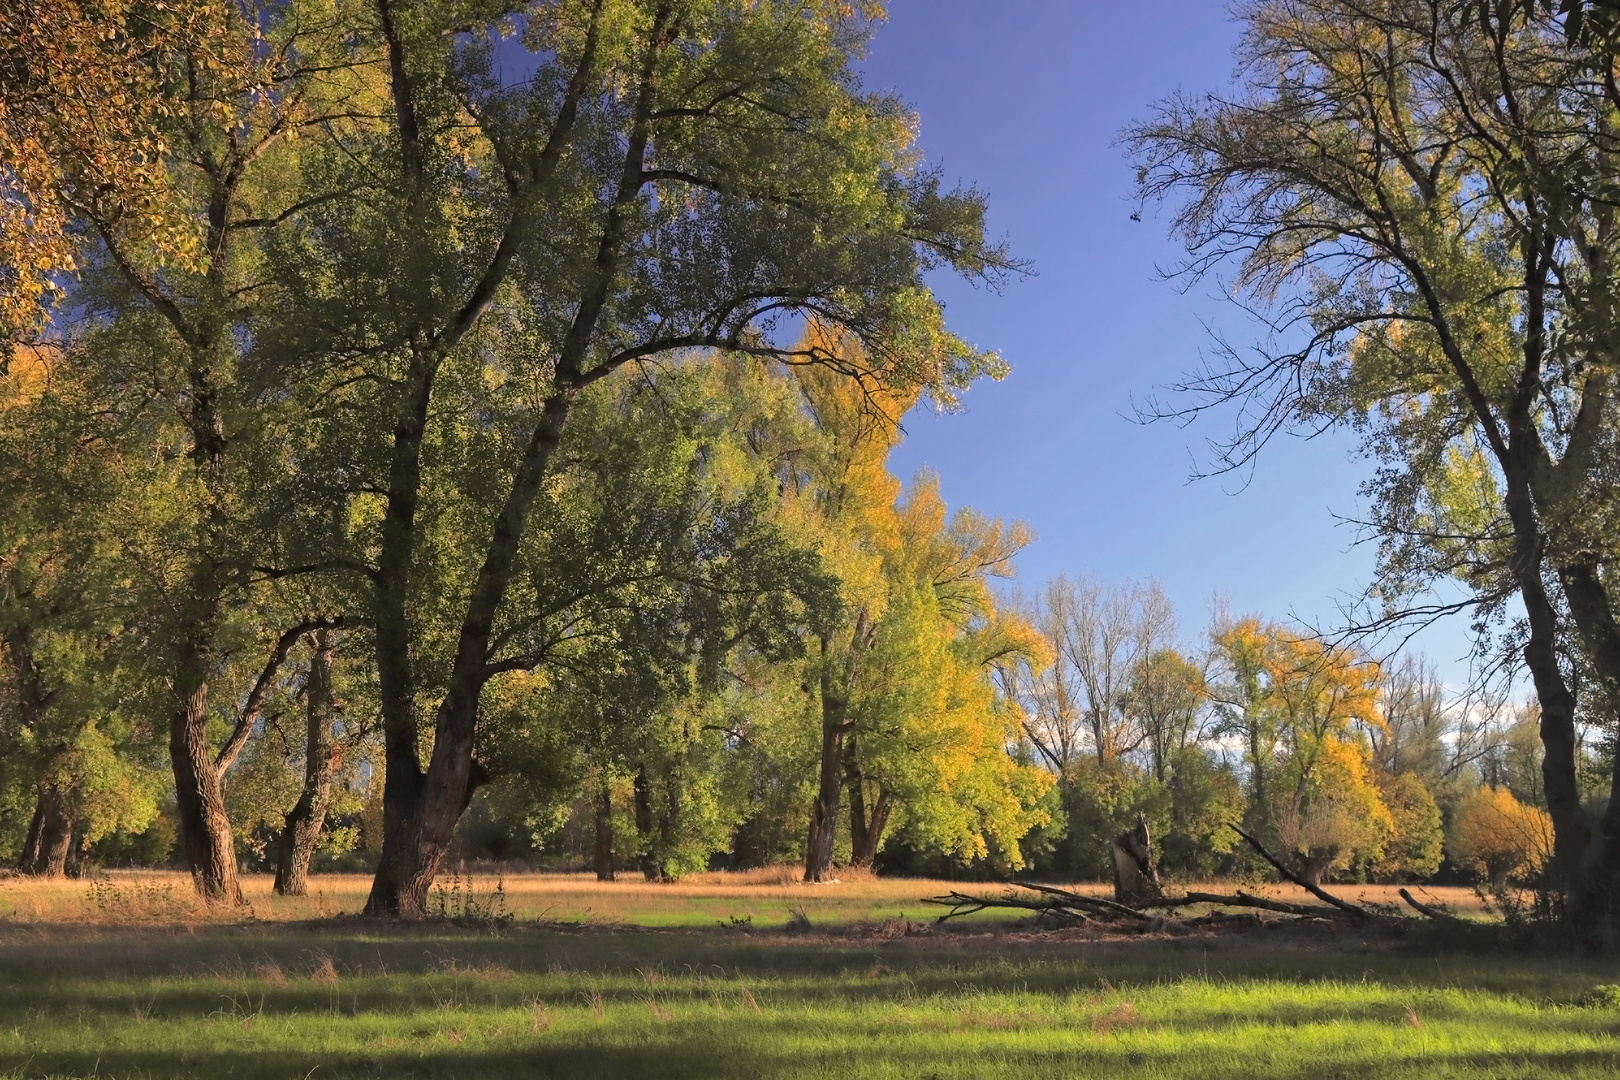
<point x="427" y="804"/>
<point x="421" y="807"/>
<point x="818" y="849"/>
<point x="205" y="829"/>
<point x="1595" y="622"/>
<point x="402" y="764"/>
<point x="304" y="821"/>
<point x="431" y="802"/>
<point x="50" y="836"/>
<point x="603" y="855"/>
<point x="644" y="826"/>
<point x="1571" y="829"/>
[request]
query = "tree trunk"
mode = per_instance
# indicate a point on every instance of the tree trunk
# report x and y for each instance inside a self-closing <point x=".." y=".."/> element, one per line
<point x="603" y="856"/>
<point x="818" y="849"/>
<point x="644" y="825"/>
<point x="205" y="829"/>
<point x="304" y="821"/>
<point x="1571" y="830"/>
<point x="867" y="841"/>
<point x="50" y="833"/>
<point x="1135" y="876"/>
<point x="865" y="834"/>
<point x="402" y="764"/>
<point x="50" y="836"/>
<point x="669" y="828"/>
<point x="1595" y="622"/>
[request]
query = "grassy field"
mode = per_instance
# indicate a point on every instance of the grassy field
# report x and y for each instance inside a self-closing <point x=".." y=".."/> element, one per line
<point x="103" y="987"/>
<point x="768" y="897"/>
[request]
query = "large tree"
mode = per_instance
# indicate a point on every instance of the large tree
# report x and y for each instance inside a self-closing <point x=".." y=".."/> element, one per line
<point x="1420" y="193"/>
<point x="671" y="176"/>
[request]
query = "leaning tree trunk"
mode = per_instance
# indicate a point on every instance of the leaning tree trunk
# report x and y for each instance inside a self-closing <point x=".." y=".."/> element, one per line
<point x="50" y="836"/>
<point x="603" y="855"/>
<point x="296" y="845"/>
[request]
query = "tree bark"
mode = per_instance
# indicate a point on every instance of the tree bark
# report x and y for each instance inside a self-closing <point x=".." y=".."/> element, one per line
<point x="1595" y="622"/>
<point x="603" y="855"/>
<point x="205" y="828"/>
<point x="50" y="836"/>
<point x="302" y="829"/>
<point x="818" y="850"/>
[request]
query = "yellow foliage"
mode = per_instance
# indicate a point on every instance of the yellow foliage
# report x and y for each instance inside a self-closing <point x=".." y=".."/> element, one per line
<point x="1497" y="835"/>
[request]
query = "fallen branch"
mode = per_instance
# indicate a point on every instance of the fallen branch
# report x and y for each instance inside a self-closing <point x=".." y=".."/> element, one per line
<point x="963" y="904"/>
<point x="1079" y="900"/>
<point x="1083" y="908"/>
<point x="1314" y="890"/>
<point x="1430" y="910"/>
<point x="1265" y="903"/>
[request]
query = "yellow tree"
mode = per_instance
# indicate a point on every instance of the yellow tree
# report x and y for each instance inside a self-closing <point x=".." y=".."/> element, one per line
<point x="930" y="734"/>
<point x="846" y="500"/>
<point x="1497" y="835"/>
<point x="1302" y="709"/>
<point x="1328" y="810"/>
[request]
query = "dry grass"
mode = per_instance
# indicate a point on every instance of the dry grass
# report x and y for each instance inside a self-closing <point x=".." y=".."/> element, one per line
<point x="766" y="897"/>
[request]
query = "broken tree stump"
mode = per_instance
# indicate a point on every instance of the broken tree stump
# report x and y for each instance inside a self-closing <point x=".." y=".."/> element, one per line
<point x="1135" y="877"/>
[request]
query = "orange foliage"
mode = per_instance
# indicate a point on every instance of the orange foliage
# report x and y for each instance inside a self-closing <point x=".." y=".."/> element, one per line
<point x="1497" y="835"/>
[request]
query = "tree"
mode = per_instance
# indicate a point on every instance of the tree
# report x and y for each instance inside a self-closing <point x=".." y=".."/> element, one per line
<point x="1497" y="835"/>
<point x="72" y="732"/>
<point x="1302" y="709"/>
<point x="1421" y="191"/>
<point x="673" y="176"/>
<point x="928" y="736"/>
<point x="1414" y="846"/>
<point x="165" y="137"/>
<point x="1164" y="697"/>
<point x="661" y="558"/>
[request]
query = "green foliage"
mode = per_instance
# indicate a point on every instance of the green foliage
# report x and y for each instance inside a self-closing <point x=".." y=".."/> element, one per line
<point x="1416" y="840"/>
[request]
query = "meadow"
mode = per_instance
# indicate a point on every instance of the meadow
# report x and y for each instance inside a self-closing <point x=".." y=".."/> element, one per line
<point x="101" y="979"/>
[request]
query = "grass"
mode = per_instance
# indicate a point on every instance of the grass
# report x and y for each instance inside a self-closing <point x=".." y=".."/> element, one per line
<point x="343" y="997"/>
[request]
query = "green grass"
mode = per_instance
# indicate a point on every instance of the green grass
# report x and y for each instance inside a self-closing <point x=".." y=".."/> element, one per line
<point x="351" y="999"/>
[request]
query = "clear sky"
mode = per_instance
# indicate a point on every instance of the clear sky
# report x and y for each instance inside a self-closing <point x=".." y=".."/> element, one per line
<point x="1025" y="98"/>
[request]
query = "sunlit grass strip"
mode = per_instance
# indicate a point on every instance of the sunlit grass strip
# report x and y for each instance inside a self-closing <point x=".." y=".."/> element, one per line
<point x="876" y="1023"/>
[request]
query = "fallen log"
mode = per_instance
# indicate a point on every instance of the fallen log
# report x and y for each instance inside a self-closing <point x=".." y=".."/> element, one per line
<point x="1094" y="902"/>
<point x="1083" y="908"/>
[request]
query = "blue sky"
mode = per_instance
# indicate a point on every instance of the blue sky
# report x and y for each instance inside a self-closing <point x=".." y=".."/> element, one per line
<point x="1025" y="98"/>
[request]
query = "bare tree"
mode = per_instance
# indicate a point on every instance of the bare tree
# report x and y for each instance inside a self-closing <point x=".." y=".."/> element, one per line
<point x="1100" y="639"/>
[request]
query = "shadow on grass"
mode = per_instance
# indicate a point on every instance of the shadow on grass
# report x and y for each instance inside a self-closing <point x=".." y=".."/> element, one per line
<point x="678" y="1059"/>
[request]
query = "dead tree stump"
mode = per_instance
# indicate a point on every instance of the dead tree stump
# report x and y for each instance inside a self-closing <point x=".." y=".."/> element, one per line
<point x="1135" y="877"/>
